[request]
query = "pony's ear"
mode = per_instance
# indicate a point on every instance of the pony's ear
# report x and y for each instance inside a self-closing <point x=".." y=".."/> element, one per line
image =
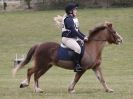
<point x="108" y="24"/>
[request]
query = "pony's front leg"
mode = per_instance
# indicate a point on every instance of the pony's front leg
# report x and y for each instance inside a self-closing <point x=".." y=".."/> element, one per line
<point x="99" y="76"/>
<point x="75" y="80"/>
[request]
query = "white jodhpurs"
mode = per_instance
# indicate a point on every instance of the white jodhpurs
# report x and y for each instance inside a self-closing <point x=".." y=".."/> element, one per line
<point x="72" y="44"/>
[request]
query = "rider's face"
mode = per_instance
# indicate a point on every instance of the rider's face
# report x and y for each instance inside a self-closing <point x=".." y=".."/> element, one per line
<point x="75" y="12"/>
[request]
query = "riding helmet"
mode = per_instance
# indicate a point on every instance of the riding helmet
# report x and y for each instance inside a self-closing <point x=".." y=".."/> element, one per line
<point x="69" y="7"/>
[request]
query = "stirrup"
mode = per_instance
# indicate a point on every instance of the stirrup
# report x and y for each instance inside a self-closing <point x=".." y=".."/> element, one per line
<point x="78" y="68"/>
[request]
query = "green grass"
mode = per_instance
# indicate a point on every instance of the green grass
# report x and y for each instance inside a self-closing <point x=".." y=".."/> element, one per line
<point x="20" y="30"/>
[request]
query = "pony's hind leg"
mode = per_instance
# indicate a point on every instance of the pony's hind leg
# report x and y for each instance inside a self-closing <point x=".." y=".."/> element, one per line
<point x="26" y="82"/>
<point x="75" y="80"/>
<point x="37" y="75"/>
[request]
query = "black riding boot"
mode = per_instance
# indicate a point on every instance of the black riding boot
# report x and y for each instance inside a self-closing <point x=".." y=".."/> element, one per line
<point x="78" y="67"/>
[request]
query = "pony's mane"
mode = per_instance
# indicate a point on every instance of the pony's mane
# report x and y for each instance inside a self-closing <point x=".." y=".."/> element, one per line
<point x="96" y="29"/>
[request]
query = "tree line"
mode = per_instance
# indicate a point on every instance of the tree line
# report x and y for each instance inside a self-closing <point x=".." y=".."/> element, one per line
<point x="83" y="3"/>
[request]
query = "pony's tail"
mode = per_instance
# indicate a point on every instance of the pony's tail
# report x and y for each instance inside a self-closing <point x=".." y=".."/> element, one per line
<point x="25" y="61"/>
<point x="58" y="20"/>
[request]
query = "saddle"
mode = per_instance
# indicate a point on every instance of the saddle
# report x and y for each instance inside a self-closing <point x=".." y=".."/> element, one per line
<point x="65" y="53"/>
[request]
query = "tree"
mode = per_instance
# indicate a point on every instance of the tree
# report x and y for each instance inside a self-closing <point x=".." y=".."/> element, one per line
<point x="28" y="3"/>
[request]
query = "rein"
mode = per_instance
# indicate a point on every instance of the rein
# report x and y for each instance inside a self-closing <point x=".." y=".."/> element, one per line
<point x="96" y="40"/>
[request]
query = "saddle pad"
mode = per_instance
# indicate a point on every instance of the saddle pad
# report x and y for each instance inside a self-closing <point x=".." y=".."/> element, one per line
<point x="67" y="54"/>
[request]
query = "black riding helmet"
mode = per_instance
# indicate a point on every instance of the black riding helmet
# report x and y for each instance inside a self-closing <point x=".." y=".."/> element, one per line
<point x="69" y="7"/>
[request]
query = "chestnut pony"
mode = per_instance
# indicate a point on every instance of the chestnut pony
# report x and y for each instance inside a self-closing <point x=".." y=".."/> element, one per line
<point x="45" y="56"/>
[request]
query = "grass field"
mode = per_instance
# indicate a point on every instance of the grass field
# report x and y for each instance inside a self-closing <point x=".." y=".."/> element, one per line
<point x="20" y="30"/>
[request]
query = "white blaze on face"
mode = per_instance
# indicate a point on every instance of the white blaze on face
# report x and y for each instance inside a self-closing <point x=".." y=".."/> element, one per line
<point x="120" y="39"/>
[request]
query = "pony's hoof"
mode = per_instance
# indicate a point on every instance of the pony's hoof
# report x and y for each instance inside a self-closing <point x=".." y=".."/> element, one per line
<point x="38" y="90"/>
<point x="23" y="85"/>
<point x="109" y="90"/>
<point x="71" y="91"/>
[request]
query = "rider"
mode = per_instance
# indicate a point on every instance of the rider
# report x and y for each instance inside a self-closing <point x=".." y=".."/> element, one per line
<point x="71" y="32"/>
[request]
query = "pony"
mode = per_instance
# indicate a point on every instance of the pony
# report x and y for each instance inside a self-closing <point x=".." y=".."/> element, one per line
<point x="44" y="56"/>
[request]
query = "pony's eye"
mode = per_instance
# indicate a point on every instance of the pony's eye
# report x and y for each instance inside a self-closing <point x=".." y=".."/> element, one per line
<point x="112" y="31"/>
<point x="115" y="32"/>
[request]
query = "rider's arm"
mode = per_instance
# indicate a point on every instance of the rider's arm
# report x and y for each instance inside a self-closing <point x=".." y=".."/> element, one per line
<point x="81" y="33"/>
